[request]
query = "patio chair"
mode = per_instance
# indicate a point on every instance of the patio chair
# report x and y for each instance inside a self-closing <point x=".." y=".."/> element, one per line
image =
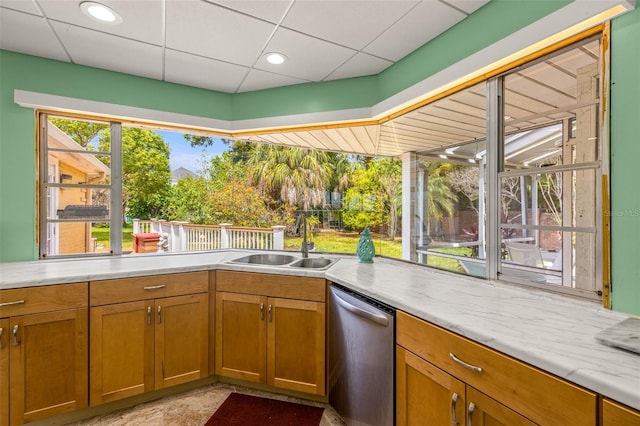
<point x="477" y="269"/>
<point x="525" y="254"/>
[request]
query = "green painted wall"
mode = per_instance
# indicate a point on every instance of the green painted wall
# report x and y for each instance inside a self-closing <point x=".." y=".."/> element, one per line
<point x="495" y="20"/>
<point x="625" y="160"/>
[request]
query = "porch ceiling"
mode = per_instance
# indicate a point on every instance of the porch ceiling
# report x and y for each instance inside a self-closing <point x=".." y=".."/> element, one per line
<point x="537" y="95"/>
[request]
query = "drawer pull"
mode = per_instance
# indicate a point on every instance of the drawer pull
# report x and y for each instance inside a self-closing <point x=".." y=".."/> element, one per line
<point x="464" y="364"/>
<point x="16" y="342"/>
<point x="17" y="302"/>
<point x="159" y="314"/>
<point x="269" y="313"/>
<point x="261" y="311"/>
<point x="1" y="330"/>
<point x="154" y="287"/>
<point x="148" y="315"/>
<point x="470" y="411"/>
<point x="454" y="399"/>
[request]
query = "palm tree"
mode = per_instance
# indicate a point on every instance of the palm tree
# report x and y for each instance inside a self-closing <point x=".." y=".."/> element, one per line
<point x="440" y="197"/>
<point x="296" y="176"/>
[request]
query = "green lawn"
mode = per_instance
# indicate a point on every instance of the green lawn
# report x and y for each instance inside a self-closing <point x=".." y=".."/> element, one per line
<point x="102" y="235"/>
<point x="327" y="242"/>
<point x="333" y="242"/>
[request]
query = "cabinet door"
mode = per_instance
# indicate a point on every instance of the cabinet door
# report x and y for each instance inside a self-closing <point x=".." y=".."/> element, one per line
<point x="485" y="411"/>
<point x="241" y="335"/>
<point x="4" y="372"/>
<point x="48" y="364"/>
<point x="614" y="414"/>
<point x="426" y="395"/>
<point x="121" y="350"/>
<point x="181" y="339"/>
<point x="296" y="345"/>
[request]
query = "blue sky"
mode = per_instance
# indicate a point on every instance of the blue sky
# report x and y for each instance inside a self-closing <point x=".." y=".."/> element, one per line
<point x="183" y="155"/>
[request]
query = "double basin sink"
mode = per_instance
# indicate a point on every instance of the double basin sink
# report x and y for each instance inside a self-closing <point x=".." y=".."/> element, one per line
<point x="277" y="259"/>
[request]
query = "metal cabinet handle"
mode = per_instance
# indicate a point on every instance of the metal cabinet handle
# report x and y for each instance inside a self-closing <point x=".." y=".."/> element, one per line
<point x="1" y="330"/>
<point x="159" y="314"/>
<point x="16" y="342"/>
<point x="154" y="287"/>
<point x="148" y="315"/>
<point x="470" y="411"/>
<point x="261" y="311"/>
<point x="16" y="302"/>
<point x="454" y="399"/>
<point x="464" y="364"/>
<point x="269" y="313"/>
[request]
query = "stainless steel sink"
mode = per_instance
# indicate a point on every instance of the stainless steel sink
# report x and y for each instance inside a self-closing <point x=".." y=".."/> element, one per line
<point x="313" y="263"/>
<point x="273" y="259"/>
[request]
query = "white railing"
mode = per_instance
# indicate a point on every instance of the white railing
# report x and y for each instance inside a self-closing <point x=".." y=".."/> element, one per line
<point x="182" y="236"/>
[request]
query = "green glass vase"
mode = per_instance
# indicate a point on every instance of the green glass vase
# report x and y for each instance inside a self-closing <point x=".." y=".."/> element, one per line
<point x="365" y="249"/>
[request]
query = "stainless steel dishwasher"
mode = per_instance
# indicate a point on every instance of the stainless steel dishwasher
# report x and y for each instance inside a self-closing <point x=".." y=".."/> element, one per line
<point x="361" y="358"/>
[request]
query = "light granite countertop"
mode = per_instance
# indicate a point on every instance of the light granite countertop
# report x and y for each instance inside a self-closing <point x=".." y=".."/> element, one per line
<point x="555" y="333"/>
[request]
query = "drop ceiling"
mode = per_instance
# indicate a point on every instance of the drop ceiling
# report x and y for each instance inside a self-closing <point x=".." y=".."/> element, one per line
<point x="220" y="45"/>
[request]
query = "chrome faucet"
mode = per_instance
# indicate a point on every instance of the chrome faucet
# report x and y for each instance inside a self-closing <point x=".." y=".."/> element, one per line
<point x="304" y="249"/>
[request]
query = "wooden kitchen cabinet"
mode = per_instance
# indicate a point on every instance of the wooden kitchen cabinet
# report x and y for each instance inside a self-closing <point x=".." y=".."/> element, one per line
<point x="502" y="390"/>
<point x="615" y="414"/>
<point x="4" y="372"/>
<point x="425" y="394"/>
<point x="142" y="345"/>
<point x="271" y="329"/>
<point x="43" y="352"/>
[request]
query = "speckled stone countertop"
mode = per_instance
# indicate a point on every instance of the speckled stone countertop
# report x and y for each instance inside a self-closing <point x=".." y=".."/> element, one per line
<point x="555" y="333"/>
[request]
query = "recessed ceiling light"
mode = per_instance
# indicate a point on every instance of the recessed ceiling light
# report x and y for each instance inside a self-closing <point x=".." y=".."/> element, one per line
<point x="275" y="58"/>
<point x="100" y="12"/>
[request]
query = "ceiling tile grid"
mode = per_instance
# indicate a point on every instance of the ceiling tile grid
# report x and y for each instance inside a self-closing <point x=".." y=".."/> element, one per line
<point x="220" y="44"/>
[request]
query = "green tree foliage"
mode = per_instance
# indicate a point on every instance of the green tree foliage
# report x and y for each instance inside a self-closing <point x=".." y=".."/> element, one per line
<point x="190" y="201"/>
<point x="375" y="196"/>
<point x="82" y="132"/>
<point x="295" y="176"/>
<point x="360" y="206"/>
<point x="441" y="198"/>
<point x="225" y="168"/>
<point x="146" y="176"/>
<point x="241" y="205"/>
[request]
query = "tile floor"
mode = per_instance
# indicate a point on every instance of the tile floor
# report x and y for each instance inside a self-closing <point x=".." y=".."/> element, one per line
<point x="192" y="408"/>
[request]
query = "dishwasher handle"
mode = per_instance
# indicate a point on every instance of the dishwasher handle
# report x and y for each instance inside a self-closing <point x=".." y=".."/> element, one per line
<point x="371" y="316"/>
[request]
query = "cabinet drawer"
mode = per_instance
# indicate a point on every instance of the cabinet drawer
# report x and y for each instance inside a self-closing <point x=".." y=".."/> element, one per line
<point x="142" y="288"/>
<point x="285" y="286"/>
<point x="537" y="395"/>
<point x="614" y="414"/>
<point x="32" y="300"/>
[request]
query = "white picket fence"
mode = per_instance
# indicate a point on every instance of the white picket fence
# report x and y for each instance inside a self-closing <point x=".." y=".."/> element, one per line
<point x="183" y="236"/>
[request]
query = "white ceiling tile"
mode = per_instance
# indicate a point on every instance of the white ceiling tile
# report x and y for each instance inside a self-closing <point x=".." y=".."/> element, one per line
<point x="308" y="58"/>
<point x="351" y="23"/>
<point x="202" y="72"/>
<point x="469" y="6"/>
<point x="257" y="80"/>
<point x="359" y="65"/>
<point x="269" y="10"/>
<point x="22" y="5"/>
<point x="101" y="50"/>
<point x="29" y="34"/>
<point x="141" y="19"/>
<point x="215" y="32"/>
<point x="431" y="17"/>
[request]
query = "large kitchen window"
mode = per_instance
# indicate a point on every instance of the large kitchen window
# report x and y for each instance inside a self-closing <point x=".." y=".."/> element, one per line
<point x="528" y="203"/>
<point x="77" y="178"/>
<point x="502" y="179"/>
